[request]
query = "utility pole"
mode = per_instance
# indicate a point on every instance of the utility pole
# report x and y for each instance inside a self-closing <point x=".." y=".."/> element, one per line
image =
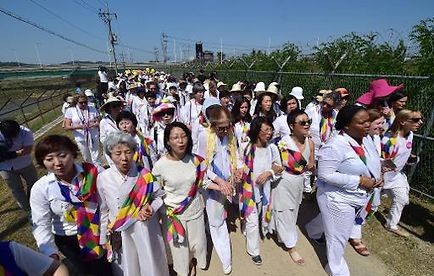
<point x="37" y="54"/>
<point x="156" y="54"/>
<point x="107" y="18"/>
<point x="164" y="46"/>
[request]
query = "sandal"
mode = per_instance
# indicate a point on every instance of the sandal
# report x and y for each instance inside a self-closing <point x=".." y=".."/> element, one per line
<point x="296" y="257"/>
<point x="359" y="247"/>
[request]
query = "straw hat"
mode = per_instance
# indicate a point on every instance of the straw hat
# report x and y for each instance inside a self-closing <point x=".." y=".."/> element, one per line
<point x="109" y="101"/>
<point x="220" y="83"/>
<point x="236" y="88"/>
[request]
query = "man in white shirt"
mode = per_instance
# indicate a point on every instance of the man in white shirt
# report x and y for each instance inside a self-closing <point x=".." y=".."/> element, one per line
<point x="102" y="85"/>
<point x="16" y="143"/>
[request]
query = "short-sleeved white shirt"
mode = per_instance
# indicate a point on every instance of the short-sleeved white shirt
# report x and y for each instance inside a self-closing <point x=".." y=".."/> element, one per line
<point x="24" y="138"/>
<point x="79" y="117"/>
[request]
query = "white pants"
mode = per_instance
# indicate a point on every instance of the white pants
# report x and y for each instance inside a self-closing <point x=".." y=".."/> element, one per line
<point x="399" y="197"/>
<point x="89" y="155"/>
<point x="284" y="222"/>
<point x="315" y="227"/>
<point x="252" y="232"/>
<point x="219" y="231"/>
<point x="195" y="245"/>
<point x="338" y="219"/>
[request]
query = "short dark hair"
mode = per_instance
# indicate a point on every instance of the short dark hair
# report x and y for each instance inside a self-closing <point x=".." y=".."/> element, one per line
<point x="198" y="86"/>
<point x="395" y="97"/>
<point x="53" y="143"/>
<point x="285" y="100"/>
<point x="224" y="93"/>
<point x="173" y="87"/>
<point x="9" y="128"/>
<point x="187" y="131"/>
<point x="290" y="119"/>
<point x="128" y="116"/>
<point x="346" y="114"/>
<point x="150" y="95"/>
<point x="255" y="127"/>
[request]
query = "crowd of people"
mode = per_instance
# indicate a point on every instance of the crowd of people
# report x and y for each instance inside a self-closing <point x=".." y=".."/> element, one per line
<point x="179" y="154"/>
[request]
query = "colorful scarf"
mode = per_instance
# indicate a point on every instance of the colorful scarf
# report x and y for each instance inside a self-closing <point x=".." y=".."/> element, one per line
<point x="360" y="152"/>
<point x="142" y="151"/>
<point x="138" y="197"/>
<point x="86" y="211"/>
<point x="293" y="161"/>
<point x="389" y="149"/>
<point x="175" y="230"/>
<point x="246" y="196"/>
<point x="325" y="126"/>
<point x="370" y="207"/>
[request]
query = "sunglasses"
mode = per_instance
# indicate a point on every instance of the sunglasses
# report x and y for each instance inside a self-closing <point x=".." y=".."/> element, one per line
<point x="327" y="105"/>
<point x="305" y="123"/>
<point x="167" y="112"/>
<point x="416" y="120"/>
<point x="223" y="129"/>
<point x="83" y="102"/>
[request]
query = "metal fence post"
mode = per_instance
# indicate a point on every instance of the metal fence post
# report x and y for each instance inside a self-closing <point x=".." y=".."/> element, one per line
<point x="39" y="107"/>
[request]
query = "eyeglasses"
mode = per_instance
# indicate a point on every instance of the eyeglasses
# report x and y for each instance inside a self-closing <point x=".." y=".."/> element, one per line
<point x="268" y="130"/>
<point x="416" y="120"/>
<point x="223" y="129"/>
<point x="305" y="123"/>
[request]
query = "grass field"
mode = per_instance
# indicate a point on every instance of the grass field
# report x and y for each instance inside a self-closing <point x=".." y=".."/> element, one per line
<point x="412" y="256"/>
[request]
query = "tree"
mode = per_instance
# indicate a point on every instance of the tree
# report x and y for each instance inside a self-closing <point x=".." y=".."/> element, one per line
<point x="423" y="35"/>
<point x="361" y="54"/>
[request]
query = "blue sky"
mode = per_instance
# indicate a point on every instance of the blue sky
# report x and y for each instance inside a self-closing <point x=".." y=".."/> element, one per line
<point x="240" y="25"/>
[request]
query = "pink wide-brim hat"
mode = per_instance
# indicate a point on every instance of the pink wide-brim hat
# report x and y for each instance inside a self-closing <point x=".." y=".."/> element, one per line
<point x="378" y="89"/>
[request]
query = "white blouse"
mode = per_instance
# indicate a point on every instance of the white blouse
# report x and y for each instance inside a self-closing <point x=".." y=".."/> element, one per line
<point x="190" y="112"/>
<point x="113" y="189"/>
<point x="81" y="117"/>
<point x="314" y="113"/>
<point x="397" y="178"/>
<point x="281" y="127"/>
<point x="176" y="178"/>
<point x="107" y="125"/>
<point x="48" y="212"/>
<point x="340" y="168"/>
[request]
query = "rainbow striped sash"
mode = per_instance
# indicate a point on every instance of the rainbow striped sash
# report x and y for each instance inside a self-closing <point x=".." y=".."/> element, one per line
<point x="143" y="151"/>
<point x="86" y="213"/>
<point x="360" y="152"/>
<point x="246" y="196"/>
<point x="175" y="230"/>
<point x="325" y="126"/>
<point x="389" y="149"/>
<point x="140" y="195"/>
<point x="293" y="161"/>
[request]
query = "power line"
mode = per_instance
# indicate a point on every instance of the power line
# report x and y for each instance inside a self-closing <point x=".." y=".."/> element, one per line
<point x="9" y="13"/>
<point x="92" y="10"/>
<point x="66" y="21"/>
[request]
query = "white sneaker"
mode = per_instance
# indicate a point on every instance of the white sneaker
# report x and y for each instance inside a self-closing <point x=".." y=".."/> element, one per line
<point x="227" y="270"/>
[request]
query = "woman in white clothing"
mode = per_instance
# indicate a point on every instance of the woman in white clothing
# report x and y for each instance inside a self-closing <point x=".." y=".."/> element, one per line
<point x="218" y="146"/>
<point x="345" y="175"/>
<point x="396" y="146"/>
<point x="262" y="163"/>
<point x="162" y="116"/>
<point x="83" y="120"/>
<point x="180" y="174"/>
<point x="372" y="144"/>
<point x="297" y="155"/>
<point x="191" y="110"/>
<point x="287" y="105"/>
<point x="65" y="209"/>
<point x="127" y="122"/>
<point x="111" y="107"/>
<point x="129" y="203"/>
<point x="241" y="119"/>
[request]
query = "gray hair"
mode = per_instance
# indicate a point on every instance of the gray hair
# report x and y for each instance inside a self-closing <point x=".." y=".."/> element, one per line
<point x="119" y="137"/>
<point x="334" y="95"/>
<point x="197" y="86"/>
